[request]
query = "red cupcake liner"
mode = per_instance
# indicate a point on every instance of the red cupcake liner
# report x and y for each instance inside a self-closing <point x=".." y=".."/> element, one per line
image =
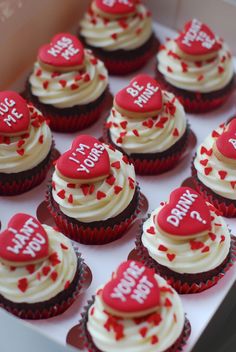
<point x="75" y="122"/>
<point x="122" y="62"/>
<point x="181" y="286"/>
<point x="153" y="166"/>
<point x="124" y="67"/>
<point x="90" y="346"/>
<point x="227" y="209"/>
<point x="18" y="185"/>
<point x="200" y="103"/>
<point x="93" y="235"/>
<point x="56" y="308"/>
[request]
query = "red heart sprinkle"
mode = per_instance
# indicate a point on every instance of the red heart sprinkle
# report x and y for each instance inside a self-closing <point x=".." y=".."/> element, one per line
<point x="116" y="165"/>
<point x="23" y="284"/>
<point x="162" y="248"/>
<point x="100" y="195"/>
<point x="151" y="230"/>
<point x="208" y="170"/>
<point x="222" y="174"/>
<point x="171" y="256"/>
<point x="117" y="189"/>
<point x="204" y="162"/>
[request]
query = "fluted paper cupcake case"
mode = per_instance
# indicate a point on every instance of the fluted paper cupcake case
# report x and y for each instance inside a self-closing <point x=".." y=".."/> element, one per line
<point x="93" y="235"/>
<point x="153" y="166"/>
<point x="226" y="207"/>
<point x="203" y="282"/>
<point x="90" y="346"/>
<point x="123" y="62"/>
<point x="74" y="120"/>
<point x="201" y="102"/>
<point x="24" y="181"/>
<point x="60" y="303"/>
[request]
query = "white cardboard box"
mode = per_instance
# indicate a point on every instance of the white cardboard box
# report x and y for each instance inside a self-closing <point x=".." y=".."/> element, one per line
<point x="28" y="27"/>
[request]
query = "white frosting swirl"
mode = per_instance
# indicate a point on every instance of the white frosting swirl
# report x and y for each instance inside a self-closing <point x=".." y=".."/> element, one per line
<point x="134" y="32"/>
<point x="166" y="332"/>
<point x="188" y="259"/>
<point x="204" y="76"/>
<point x="41" y="287"/>
<point x="36" y="147"/>
<point x="70" y="88"/>
<point x="220" y="186"/>
<point x="87" y="208"/>
<point x="150" y="139"/>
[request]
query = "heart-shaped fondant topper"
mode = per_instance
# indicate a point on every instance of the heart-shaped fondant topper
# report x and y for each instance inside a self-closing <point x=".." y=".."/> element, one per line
<point x="225" y="145"/>
<point x="14" y="114"/>
<point x="24" y="241"/>
<point x="141" y="98"/>
<point x="186" y="215"/>
<point x="197" y="39"/>
<point x="114" y="8"/>
<point x="132" y="292"/>
<point x="87" y="160"/>
<point x="65" y="52"/>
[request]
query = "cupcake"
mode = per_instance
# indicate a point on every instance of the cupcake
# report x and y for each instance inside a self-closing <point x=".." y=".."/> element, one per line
<point x="214" y="168"/>
<point x="26" y="146"/>
<point x="187" y="242"/>
<point x="149" y="125"/>
<point x="41" y="274"/>
<point x="197" y="67"/>
<point x="135" y="311"/>
<point x="93" y="195"/>
<point x="68" y="84"/>
<point x="120" y="33"/>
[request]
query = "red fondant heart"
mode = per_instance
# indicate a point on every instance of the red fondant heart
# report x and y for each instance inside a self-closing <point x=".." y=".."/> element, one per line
<point x="87" y="159"/>
<point x="116" y="7"/>
<point x="186" y="214"/>
<point x="226" y="142"/>
<point x="64" y="50"/>
<point x="142" y="95"/>
<point x="14" y="114"/>
<point x="197" y="39"/>
<point x="24" y="240"/>
<point x="133" y="289"/>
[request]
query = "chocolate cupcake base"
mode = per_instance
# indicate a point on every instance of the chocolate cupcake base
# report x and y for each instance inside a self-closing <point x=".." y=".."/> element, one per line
<point x="54" y="306"/>
<point x="121" y="62"/>
<point x="98" y="232"/>
<point x="71" y="119"/>
<point x="196" y="102"/>
<point x="155" y="163"/>
<point x="20" y="182"/>
<point x="177" y="346"/>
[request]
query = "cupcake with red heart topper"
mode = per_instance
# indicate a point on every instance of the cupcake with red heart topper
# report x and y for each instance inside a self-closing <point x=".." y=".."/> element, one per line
<point x="26" y="145"/>
<point x="149" y="125"/>
<point x="187" y="241"/>
<point x="41" y="274"/>
<point x="120" y="33"/>
<point x="136" y="310"/>
<point x="197" y="67"/>
<point x="214" y="168"/>
<point x="68" y="84"/>
<point x="93" y="195"/>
